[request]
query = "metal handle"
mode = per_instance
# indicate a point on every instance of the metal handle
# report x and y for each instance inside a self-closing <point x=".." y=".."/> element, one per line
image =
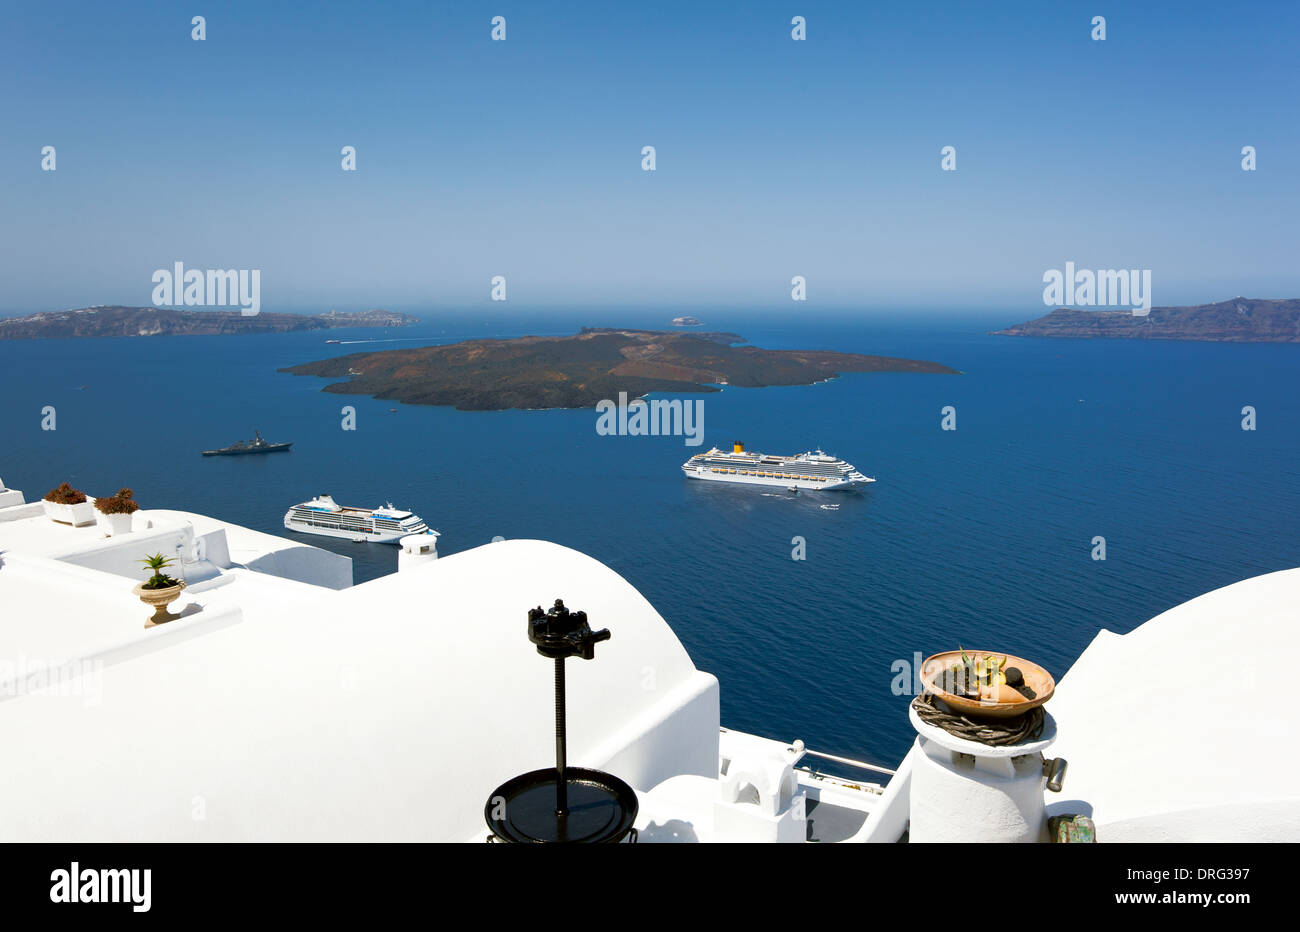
<point x="1054" y="769"/>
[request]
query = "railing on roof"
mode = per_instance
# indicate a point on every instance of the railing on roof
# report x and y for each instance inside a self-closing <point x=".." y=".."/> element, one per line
<point x="850" y="762"/>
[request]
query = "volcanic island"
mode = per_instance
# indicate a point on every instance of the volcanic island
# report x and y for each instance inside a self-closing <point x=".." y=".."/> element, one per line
<point x="578" y="371"/>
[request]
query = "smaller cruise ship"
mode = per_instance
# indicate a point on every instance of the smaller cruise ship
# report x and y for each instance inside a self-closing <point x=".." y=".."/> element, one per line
<point x="326" y="517"/>
<point x="814" y="470"/>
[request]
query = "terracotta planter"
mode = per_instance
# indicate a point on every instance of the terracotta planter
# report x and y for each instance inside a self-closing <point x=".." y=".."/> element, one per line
<point x="1035" y="676"/>
<point x="114" y="525"/>
<point x="77" y="515"/>
<point x="160" y="599"/>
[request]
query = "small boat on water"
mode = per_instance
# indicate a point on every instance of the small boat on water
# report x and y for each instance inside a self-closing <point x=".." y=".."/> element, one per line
<point x="256" y="445"/>
<point x="333" y="341"/>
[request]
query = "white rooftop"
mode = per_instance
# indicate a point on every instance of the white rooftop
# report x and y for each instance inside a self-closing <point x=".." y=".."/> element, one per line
<point x="1185" y="728"/>
<point x="282" y="710"/>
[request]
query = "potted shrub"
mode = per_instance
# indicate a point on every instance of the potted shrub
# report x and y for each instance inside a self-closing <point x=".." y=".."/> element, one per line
<point x="68" y="506"/>
<point x="115" y="512"/>
<point x="159" y="590"/>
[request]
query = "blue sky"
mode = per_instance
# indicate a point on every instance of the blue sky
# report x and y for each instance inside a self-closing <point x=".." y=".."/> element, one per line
<point x="522" y="158"/>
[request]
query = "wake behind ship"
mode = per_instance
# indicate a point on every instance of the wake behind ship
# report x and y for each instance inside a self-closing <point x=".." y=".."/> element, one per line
<point x="814" y="470"/>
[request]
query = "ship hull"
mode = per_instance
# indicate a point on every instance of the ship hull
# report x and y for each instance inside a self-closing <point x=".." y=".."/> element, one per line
<point x="382" y="537"/>
<point x="272" y="448"/>
<point x="830" y="485"/>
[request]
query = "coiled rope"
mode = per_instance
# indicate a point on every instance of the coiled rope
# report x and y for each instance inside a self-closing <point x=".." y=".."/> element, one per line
<point x="995" y="732"/>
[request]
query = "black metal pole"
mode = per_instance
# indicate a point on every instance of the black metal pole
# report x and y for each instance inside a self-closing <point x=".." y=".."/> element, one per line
<point x="561" y="763"/>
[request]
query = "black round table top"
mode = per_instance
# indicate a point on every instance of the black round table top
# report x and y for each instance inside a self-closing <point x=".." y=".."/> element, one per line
<point x="601" y="808"/>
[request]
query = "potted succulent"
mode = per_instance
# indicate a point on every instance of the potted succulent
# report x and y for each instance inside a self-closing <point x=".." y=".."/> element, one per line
<point x="115" y="512"/>
<point x="159" y="590"/>
<point x="68" y="506"/>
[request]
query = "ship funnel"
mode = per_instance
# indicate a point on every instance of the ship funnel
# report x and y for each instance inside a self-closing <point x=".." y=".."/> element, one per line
<point x="737" y="447"/>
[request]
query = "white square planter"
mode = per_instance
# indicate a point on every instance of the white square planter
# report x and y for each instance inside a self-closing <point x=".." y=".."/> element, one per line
<point x="78" y="515"/>
<point x="114" y="525"/>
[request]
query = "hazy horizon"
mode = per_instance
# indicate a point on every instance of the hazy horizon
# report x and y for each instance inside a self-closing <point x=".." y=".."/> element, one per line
<point x="665" y="310"/>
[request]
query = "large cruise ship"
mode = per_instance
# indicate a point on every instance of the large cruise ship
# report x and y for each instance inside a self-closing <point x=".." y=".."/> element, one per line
<point x="815" y="470"/>
<point x="322" y="515"/>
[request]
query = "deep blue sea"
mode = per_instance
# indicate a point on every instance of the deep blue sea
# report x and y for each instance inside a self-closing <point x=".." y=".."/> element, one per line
<point x="980" y="536"/>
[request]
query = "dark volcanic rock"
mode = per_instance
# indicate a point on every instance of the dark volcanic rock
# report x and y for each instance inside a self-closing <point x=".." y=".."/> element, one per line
<point x="579" y="371"/>
<point x="1241" y="320"/>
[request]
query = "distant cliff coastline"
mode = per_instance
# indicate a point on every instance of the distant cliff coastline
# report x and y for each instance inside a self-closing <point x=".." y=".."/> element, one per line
<point x="581" y="370"/>
<point x="118" y="321"/>
<point x="1241" y="320"/>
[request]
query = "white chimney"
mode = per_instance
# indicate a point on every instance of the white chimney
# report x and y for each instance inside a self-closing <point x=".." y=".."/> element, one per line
<point x="417" y="549"/>
<point x="759" y="799"/>
<point x="966" y="791"/>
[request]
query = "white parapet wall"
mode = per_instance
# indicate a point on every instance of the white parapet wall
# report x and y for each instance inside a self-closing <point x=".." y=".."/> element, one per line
<point x="224" y="544"/>
<point x="122" y="555"/>
<point x="20" y="511"/>
<point x="191" y="540"/>
<point x="10" y="498"/>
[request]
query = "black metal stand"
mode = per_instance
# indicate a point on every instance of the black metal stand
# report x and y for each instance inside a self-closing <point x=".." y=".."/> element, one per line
<point x="565" y="803"/>
<point x="561" y="755"/>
